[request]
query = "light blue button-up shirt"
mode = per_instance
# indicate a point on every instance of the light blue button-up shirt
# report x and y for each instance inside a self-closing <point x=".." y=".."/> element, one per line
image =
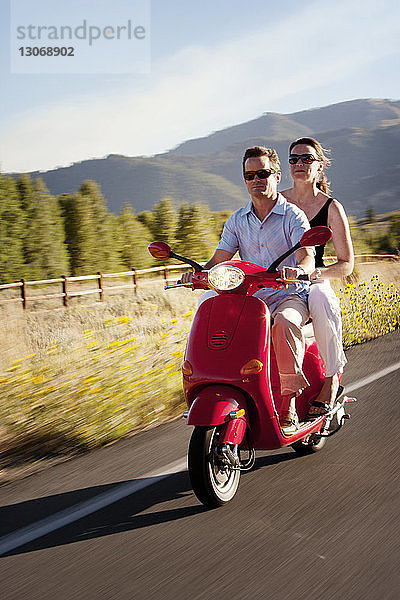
<point x="261" y="242"/>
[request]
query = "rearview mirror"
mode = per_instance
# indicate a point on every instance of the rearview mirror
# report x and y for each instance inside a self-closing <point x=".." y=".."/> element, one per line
<point x="159" y="250"/>
<point x="316" y="236"/>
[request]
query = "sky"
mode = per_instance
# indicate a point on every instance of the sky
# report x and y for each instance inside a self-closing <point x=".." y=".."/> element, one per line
<point x="212" y="64"/>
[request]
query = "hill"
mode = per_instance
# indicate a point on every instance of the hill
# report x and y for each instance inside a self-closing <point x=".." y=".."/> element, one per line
<point x="363" y="135"/>
<point x="356" y="113"/>
<point x="144" y="181"/>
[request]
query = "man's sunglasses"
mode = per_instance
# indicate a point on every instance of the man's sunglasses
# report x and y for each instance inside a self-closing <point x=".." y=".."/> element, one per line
<point x="306" y="159"/>
<point x="261" y="174"/>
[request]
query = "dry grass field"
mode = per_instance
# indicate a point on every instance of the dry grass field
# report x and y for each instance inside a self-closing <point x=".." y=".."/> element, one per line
<point x="78" y="378"/>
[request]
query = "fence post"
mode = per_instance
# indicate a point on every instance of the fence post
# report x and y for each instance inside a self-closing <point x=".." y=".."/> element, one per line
<point x="65" y="290"/>
<point x="134" y="280"/>
<point x="166" y="275"/>
<point x="23" y="293"/>
<point x="100" y="280"/>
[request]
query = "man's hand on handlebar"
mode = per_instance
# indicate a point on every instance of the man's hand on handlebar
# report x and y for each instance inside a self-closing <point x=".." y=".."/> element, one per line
<point x="186" y="277"/>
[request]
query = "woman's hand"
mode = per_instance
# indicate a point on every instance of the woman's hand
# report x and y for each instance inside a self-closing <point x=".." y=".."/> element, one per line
<point x="289" y="273"/>
<point x="316" y="275"/>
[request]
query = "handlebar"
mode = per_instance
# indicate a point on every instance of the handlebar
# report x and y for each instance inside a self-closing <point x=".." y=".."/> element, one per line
<point x="177" y="284"/>
<point x="201" y="280"/>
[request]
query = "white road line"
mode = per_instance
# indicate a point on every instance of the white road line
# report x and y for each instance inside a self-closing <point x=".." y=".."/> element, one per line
<point x="66" y="517"/>
<point x="367" y="380"/>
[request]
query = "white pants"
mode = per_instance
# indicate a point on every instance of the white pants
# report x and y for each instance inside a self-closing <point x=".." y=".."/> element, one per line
<point x="324" y="309"/>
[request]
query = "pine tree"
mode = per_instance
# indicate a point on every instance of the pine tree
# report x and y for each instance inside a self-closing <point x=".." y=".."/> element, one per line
<point x="111" y="257"/>
<point x="196" y="233"/>
<point x="390" y="241"/>
<point x="80" y="238"/>
<point x="186" y="237"/>
<point x="28" y="204"/>
<point x="133" y="239"/>
<point x="44" y="242"/>
<point x="11" y="232"/>
<point x="165" y="222"/>
<point x="91" y="231"/>
<point x="104" y="254"/>
<point x="147" y="219"/>
<point x="394" y="232"/>
<point x="370" y="215"/>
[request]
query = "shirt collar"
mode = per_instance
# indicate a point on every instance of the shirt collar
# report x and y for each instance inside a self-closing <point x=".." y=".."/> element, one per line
<point x="279" y="206"/>
<point x="247" y="208"/>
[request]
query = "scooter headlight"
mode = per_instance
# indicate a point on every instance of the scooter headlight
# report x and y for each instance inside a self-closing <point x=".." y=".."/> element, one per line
<point x="225" y="277"/>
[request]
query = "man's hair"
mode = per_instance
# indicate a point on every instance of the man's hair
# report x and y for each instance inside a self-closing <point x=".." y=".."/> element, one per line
<point x="257" y="151"/>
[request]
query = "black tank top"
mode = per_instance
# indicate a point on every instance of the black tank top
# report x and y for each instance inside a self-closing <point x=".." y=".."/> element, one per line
<point x="321" y="218"/>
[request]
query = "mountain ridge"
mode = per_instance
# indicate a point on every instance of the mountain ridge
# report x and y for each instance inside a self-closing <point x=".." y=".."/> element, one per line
<point x="308" y="121"/>
<point x="364" y="136"/>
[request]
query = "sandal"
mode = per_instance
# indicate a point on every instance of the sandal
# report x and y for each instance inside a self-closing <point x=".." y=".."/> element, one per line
<point x="322" y="409"/>
<point x="289" y="422"/>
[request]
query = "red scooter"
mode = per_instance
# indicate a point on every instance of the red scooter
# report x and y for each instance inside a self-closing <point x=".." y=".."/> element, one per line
<point x="230" y="376"/>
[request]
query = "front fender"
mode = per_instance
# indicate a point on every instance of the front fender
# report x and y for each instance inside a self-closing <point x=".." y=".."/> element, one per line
<point x="213" y="404"/>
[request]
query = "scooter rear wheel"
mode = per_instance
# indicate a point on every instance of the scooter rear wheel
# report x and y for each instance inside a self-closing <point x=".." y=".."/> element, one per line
<point x="315" y="443"/>
<point x="213" y="482"/>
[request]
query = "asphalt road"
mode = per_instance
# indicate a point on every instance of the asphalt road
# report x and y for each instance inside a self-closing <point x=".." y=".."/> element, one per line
<point x="321" y="526"/>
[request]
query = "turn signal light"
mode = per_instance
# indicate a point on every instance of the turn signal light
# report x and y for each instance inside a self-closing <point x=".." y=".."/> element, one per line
<point x="253" y="366"/>
<point x="235" y="414"/>
<point x="187" y="368"/>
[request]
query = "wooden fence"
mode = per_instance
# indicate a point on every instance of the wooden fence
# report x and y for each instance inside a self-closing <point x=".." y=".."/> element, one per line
<point x="67" y="292"/>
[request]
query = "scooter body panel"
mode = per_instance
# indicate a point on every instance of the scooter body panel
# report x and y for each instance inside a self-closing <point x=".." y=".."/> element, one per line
<point x="226" y="334"/>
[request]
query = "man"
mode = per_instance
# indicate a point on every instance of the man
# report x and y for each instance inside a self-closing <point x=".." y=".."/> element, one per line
<point x="262" y="231"/>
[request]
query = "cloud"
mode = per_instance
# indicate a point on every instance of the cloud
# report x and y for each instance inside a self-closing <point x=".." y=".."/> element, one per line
<point x="200" y="89"/>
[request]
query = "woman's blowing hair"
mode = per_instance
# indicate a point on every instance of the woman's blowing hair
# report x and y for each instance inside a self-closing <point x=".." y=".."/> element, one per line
<point x="323" y="185"/>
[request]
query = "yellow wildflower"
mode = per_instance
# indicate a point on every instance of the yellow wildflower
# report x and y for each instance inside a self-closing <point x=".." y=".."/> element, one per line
<point x="123" y="319"/>
<point x="92" y="344"/>
<point x="142" y="358"/>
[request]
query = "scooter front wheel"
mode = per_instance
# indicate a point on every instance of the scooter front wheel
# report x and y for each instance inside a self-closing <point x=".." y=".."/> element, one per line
<point x="213" y="481"/>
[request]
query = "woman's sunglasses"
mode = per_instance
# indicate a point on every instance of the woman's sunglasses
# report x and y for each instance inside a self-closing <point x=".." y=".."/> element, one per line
<point x="306" y="159"/>
<point x="261" y="174"/>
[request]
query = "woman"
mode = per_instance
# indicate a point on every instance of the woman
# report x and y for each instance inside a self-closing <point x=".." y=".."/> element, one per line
<point x="311" y="193"/>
